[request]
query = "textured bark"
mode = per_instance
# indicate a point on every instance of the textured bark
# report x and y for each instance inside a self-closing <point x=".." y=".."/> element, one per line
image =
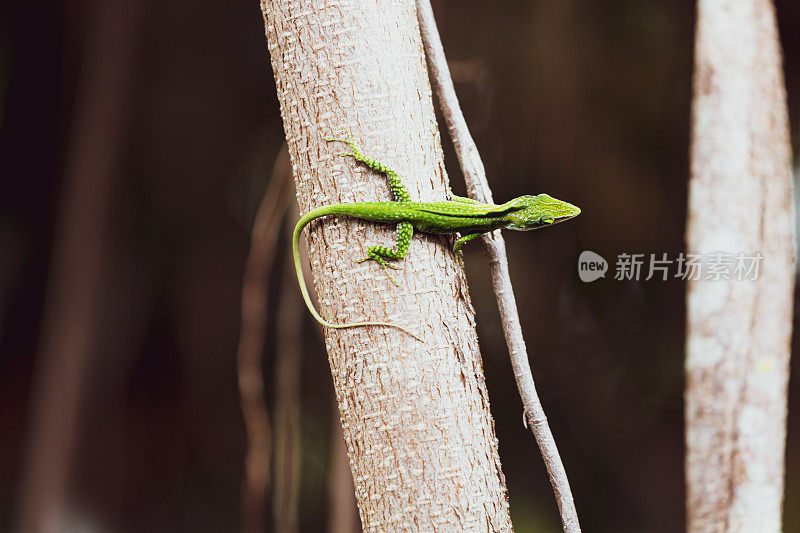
<point x="738" y="331"/>
<point x="415" y="415"/>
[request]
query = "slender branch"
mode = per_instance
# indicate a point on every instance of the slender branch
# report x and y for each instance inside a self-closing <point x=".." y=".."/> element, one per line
<point x="251" y="343"/>
<point x="342" y="507"/>
<point x="288" y="359"/>
<point x="478" y="188"/>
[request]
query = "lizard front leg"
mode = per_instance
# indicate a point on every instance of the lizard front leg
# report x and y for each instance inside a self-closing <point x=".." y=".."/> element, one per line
<point x="399" y="191"/>
<point x="462" y="241"/>
<point x="462" y="199"/>
<point x="382" y="254"/>
<point x="459" y="243"/>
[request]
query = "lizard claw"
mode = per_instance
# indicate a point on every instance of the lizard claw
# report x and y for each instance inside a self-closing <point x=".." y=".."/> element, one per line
<point x="384" y="265"/>
<point x="460" y="258"/>
<point x="348" y="140"/>
<point x="391" y="278"/>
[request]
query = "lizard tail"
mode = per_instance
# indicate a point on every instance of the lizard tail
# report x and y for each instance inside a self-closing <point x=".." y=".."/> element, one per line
<point x="298" y="229"/>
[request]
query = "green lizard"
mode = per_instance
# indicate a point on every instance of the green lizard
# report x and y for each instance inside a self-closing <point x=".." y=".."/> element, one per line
<point x="459" y="215"/>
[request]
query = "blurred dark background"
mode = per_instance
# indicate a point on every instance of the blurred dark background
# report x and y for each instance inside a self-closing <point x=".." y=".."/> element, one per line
<point x="588" y="101"/>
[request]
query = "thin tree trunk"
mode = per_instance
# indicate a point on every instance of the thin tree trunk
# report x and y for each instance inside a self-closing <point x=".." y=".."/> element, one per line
<point x="69" y="320"/>
<point x="738" y="332"/>
<point x="342" y="508"/>
<point x="288" y="361"/>
<point x="478" y="186"/>
<point x="260" y="261"/>
<point x="415" y="415"/>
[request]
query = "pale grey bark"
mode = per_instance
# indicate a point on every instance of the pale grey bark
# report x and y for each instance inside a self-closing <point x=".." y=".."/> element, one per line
<point x="478" y="186"/>
<point x="415" y="415"/>
<point x="738" y="332"/>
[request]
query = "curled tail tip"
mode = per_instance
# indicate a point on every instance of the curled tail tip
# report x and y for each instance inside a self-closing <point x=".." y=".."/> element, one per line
<point x="407" y="331"/>
<point x="420" y="339"/>
<point x="381" y="324"/>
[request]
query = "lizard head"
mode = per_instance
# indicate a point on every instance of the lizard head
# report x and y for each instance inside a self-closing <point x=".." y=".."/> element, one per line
<point x="538" y="211"/>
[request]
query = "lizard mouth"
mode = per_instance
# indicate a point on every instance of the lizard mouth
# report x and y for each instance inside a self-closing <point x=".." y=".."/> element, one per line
<point x="566" y="217"/>
<point x="547" y="222"/>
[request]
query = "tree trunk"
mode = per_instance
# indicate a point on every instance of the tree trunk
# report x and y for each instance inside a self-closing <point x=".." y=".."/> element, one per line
<point x="738" y="331"/>
<point x="415" y="415"/>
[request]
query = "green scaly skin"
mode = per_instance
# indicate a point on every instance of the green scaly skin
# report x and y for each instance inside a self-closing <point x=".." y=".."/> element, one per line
<point x="459" y="215"/>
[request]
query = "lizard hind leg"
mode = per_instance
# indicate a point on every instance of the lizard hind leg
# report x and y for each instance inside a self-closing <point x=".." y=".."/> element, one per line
<point x="373" y="253"/>
<point x="382" y="255"/>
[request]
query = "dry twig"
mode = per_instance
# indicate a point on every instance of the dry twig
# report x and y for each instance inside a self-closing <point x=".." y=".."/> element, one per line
<point x="478" y="188"/>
